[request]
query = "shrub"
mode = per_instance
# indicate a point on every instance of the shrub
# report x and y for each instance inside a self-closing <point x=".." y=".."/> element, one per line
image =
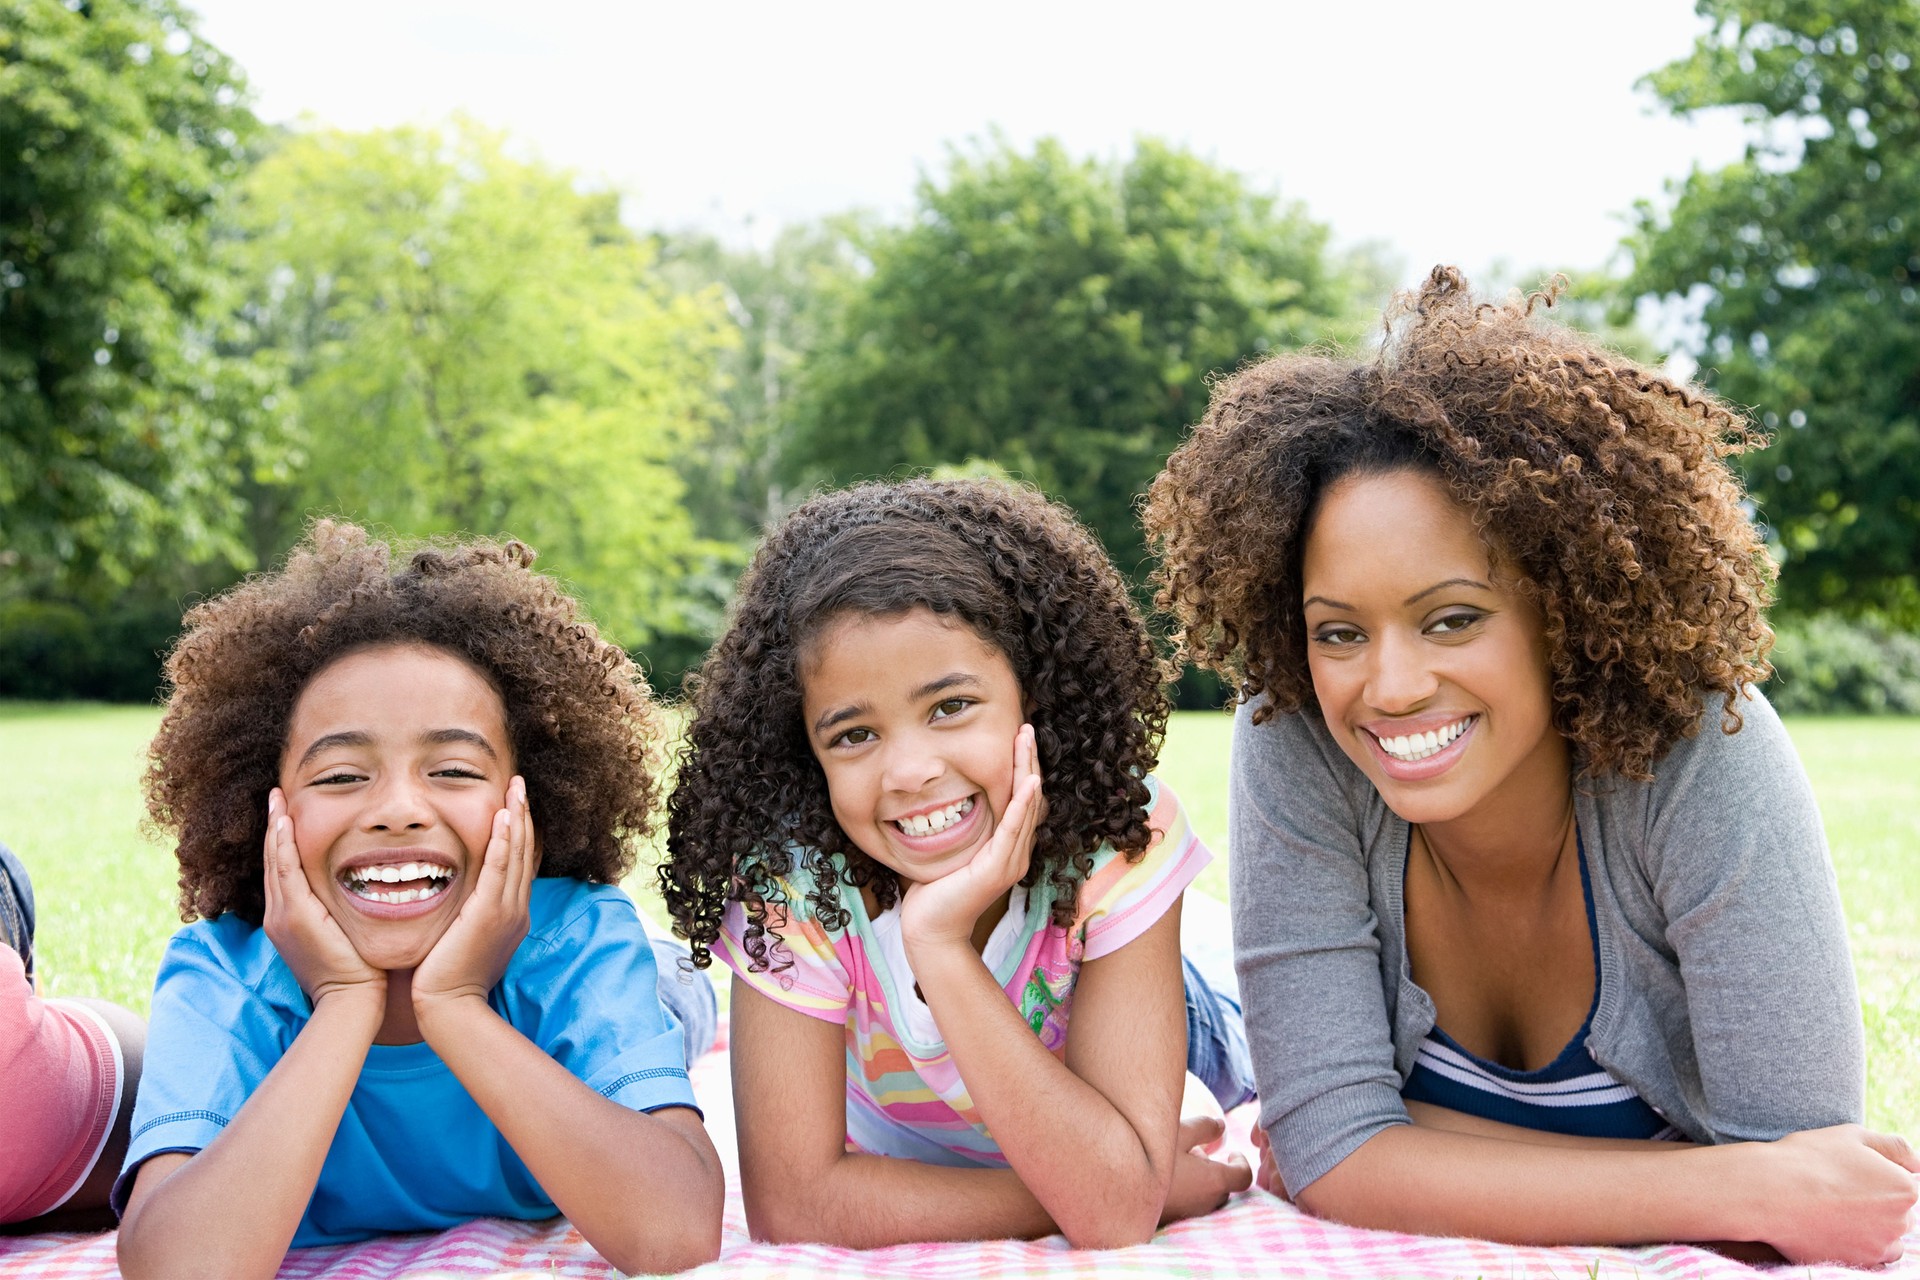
<point x="1830" y="665"/>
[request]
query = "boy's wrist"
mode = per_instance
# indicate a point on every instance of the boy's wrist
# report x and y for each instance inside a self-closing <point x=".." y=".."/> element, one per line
<point x="361" y="1003"/>
<point x="438" y="1013"/>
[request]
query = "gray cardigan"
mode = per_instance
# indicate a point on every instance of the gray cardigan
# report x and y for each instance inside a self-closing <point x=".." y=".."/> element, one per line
<point x="1727" y="996"/>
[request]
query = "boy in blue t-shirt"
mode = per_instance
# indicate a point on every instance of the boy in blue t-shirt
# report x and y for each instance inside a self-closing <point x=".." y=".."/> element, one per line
<point x="408" y="1001"/>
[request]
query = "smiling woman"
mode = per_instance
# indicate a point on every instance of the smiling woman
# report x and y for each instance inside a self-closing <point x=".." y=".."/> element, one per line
<point x="1532" y="907"/>
<point x="402" y="796"/>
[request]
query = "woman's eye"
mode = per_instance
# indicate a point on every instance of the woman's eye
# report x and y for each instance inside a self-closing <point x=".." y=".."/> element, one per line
<point x="1453" y="623"/>
<point x="951" y="707"/>
<point x="1336" y="637"/>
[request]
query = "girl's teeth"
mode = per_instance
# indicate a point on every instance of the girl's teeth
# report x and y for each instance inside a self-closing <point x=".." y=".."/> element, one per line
<point x="939" y="820"/>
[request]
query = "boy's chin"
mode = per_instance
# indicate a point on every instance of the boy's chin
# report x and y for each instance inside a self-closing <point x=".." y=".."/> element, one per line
<point x="397" y="946"/>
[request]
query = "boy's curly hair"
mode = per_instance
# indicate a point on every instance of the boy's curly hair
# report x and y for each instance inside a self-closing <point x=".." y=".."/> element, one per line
<point x="583" y="729"/>
<point x="1601" y="483"/>
<point x="1021" y="572"/>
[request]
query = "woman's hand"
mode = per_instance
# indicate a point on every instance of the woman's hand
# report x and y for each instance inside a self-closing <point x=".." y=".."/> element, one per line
<point x="1202" y="1183"/>
<point x="301" y="929"/>
<point x="1843" y="1194"/>
<point x="945" y="910"/>
<point x="472" y="954"/>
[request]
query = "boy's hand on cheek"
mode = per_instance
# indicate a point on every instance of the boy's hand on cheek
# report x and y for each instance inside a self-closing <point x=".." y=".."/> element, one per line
<point x="944" y="911"/>
<point x="298" y="924"/>
<point x="472" y="954"/>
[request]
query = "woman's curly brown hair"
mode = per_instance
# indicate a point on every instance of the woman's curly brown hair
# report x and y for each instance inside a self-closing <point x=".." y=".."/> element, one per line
<point x="1602" y="484"/>
<point x="751" y="800"/>
<point x="583" y="729"/>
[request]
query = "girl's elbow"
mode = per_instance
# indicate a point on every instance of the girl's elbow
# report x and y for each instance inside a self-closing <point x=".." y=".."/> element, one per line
<point x="682" y="1250"/>
<point x="1116" y="1223"/>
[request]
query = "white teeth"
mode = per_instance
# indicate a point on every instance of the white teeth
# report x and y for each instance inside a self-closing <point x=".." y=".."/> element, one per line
<point x="1418" y="746"/>
<point x="394" y="897"/>
<point x="926" y="824"/>
<point x="357" y="881"/>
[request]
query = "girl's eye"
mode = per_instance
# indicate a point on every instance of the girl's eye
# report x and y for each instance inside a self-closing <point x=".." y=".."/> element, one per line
<point x="336" y="779"/>
<point x="1337" y="637"/>
<point x="852" y="738"/>
<point x="951" y="707"/>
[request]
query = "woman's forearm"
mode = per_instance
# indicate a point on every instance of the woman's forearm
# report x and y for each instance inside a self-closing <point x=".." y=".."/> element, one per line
<point x="232" y="1208"/>
<point x="645" y="1190"/>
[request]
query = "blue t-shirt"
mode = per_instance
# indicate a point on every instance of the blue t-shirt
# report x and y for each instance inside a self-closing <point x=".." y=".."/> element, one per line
<point x="413" y="1152"/>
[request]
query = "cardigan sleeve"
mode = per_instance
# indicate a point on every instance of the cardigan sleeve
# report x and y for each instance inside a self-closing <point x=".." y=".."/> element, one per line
<point x="1307" y="947"/>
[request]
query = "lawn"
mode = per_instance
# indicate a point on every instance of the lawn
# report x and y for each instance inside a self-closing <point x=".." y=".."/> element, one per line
<point x="70" y="806"/>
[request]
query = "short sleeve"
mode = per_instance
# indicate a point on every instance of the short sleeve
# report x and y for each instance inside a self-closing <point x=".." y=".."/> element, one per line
<point x="805" y="972"/>
<point x="211" y="1040"/>
<point x="586" y="990"/>
<point x="1121" y="900"/>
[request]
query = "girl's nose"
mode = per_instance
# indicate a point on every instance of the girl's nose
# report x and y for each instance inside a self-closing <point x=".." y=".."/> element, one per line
<point x="1399" y="678"/>
<point x="910" y="764"/>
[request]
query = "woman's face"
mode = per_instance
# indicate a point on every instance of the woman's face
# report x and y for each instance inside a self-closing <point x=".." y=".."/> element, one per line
<point x="1431" y="671"/>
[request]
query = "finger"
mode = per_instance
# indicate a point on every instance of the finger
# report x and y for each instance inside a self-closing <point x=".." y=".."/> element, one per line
<point x="525" y="848"/>
<point x="1259" y="1138"/>
<point x="1893" y="1147"/>
<point x="1235" y="1173"/>
<point x="1199" y="1131"/>
<point x="270" y="853"/>
<point x="493" y="862"/>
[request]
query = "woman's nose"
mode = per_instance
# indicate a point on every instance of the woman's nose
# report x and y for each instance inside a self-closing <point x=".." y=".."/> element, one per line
<point x="1399" y="677"/>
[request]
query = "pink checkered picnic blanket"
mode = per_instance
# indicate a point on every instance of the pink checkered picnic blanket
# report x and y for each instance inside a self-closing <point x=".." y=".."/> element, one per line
<point x="1256" y="1234"/>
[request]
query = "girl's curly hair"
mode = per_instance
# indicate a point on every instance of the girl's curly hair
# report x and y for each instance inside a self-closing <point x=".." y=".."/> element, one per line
<point x="1601" y="483"/>
<point x="1021" y="572"/>
<point x="583" y="729"/>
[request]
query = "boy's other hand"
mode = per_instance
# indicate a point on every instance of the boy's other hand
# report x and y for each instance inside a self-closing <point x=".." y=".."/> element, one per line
<point x="472" y="954"/>
<point x="301" y="929"/>
<point x="1202" y="1182"/>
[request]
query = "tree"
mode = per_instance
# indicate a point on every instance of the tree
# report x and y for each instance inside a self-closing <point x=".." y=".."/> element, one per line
<point x="1060" y="318"/>
<point x="1805" y="259"/>
<point x="123" y="426"/>
<point x="476" y="345"/>
<point x="783" y="298"/>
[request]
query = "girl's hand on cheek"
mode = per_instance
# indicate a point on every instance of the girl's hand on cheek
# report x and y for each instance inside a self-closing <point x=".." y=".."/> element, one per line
<point x="471" y="955"/>
<point x="945" y="910"/>
<point x="301" y="929"/>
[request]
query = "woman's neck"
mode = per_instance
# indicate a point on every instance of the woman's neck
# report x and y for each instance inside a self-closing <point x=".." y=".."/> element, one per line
<point x="1516" y="835"/>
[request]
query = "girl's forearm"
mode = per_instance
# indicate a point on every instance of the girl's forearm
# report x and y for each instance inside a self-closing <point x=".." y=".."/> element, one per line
<point x="232" y="1208"/>
<point x="1096" y="1176"/>
<point x="645" y="1190"/>
<point x="868" y="1202"/>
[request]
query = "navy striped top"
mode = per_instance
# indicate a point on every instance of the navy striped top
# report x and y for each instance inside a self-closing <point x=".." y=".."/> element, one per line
<point x="1573" y="1094"/>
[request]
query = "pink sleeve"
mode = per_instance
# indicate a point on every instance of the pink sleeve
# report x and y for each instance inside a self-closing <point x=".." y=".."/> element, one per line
<point x="805" y="971"/>
<point x="60" y="1077"/>
<point x="1121" y="900"/>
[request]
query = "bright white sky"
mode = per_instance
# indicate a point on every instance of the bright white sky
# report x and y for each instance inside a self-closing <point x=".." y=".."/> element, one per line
<point x="1488" y="132"/>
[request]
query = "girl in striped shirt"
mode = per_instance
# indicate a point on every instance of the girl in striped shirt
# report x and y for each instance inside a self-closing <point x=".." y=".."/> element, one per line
<point x="916" y="820"/>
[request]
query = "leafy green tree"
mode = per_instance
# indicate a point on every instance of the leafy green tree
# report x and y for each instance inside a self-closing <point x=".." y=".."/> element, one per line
<point x="124" y="425"/>
<point x="1060" y="318"/>
<point x="476" y="345"/>
<point x="1805" y="260"/>
<point x="784" y="298"/>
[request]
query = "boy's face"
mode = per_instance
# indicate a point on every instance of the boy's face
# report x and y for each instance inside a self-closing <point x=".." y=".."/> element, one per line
<point x="397" y="759"/>
<point x="913" y="719"/>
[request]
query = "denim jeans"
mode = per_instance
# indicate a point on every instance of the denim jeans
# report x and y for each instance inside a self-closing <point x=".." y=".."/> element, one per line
<point x="1217" y="1041"/>
<point x="688" y="995"/>
<point x="16" y="907"/>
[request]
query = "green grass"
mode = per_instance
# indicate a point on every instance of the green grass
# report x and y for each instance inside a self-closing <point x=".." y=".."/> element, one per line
<point x="70" y="806"/>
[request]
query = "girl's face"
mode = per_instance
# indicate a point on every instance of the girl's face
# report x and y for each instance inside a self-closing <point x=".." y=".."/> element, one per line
<point x="1431" y="672"/>
<point x="396" y="760"/>
<point x="912" y="718"/>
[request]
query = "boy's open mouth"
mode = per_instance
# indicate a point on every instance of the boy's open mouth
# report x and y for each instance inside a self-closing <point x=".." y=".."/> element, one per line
<point x="397" y="882"/>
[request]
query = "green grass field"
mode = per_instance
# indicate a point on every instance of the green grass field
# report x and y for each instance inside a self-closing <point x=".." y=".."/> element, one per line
<point x="70" y="806"/>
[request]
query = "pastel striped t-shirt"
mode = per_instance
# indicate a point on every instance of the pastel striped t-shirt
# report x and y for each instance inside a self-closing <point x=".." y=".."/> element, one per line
<point x="905" y="1097"/>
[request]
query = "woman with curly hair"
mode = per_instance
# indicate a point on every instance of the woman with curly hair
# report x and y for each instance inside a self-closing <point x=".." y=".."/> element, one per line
<point x="916" y="819"/>
<point x="1532" y="906"/>
<point x="402" y="796"/>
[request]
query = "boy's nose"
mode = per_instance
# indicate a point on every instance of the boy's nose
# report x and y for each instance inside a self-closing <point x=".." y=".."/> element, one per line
<point x="397" y="805"/>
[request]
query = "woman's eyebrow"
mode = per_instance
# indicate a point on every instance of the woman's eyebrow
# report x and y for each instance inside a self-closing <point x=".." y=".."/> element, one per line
<point x="1441" y="586"/>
